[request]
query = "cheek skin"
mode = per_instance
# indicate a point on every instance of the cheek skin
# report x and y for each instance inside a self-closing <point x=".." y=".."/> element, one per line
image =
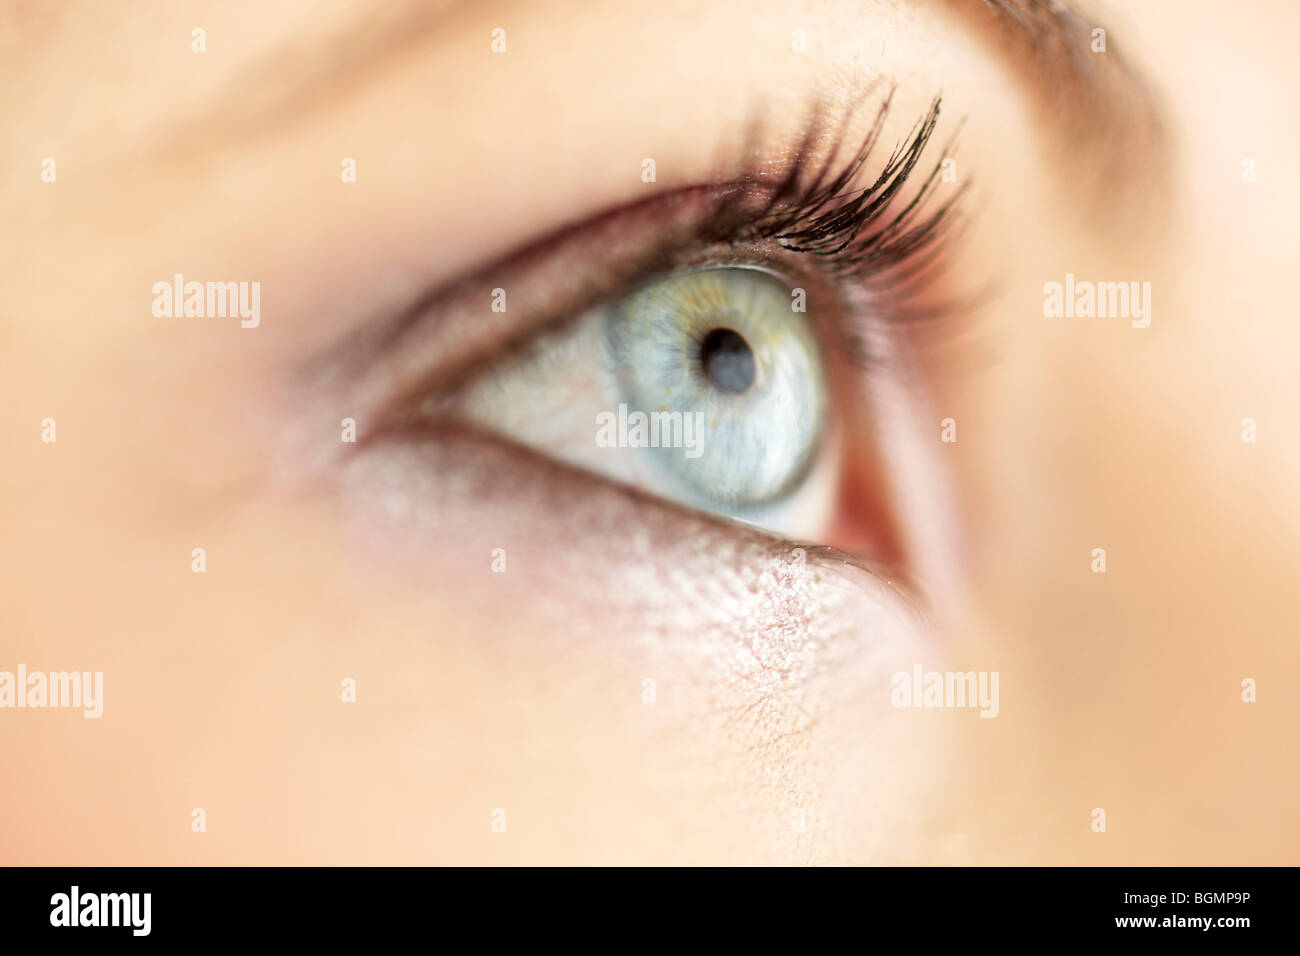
<point x="741" y="634"/>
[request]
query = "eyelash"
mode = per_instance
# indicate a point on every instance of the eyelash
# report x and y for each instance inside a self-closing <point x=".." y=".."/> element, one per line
<point x="882" y="257"/>
<point x="856" y="232"/>
<point x="832" y="220"/>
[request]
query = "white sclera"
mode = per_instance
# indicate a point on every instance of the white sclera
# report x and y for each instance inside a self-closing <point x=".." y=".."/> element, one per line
<point x="762" y="455"/>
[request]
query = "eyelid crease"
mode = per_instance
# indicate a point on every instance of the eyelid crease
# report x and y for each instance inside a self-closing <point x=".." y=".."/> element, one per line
<point x="801" y="206"/>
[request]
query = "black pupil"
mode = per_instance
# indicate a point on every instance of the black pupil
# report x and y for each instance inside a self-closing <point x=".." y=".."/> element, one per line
<point x="728" y="360"/>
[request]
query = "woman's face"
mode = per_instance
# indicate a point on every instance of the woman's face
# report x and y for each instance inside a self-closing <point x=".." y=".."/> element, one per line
<point x="974" y="537"/>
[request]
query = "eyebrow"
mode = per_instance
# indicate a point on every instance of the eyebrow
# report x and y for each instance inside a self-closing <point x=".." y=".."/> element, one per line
<point x="1092" y="97"/>
<point x="1099" y="98"/>
<point x="1098" y="101"/>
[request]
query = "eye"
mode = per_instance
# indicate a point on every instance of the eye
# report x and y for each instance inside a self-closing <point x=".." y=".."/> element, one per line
<point x="705" y="387"/>
<point x="662" y="345"/>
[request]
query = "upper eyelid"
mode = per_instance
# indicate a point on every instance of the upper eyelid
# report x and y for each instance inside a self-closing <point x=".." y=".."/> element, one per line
<point x="453" y="326"/>
<point x="816" y="203"/>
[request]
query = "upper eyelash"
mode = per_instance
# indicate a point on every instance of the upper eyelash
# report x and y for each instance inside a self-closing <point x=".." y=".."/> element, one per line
<point x="835" y="224"/>
<point x="856" y="230"/>
<point x="805" y="206"/>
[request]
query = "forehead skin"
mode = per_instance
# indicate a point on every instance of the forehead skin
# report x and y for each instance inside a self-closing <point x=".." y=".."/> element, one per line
<point x="1118" y="691"/>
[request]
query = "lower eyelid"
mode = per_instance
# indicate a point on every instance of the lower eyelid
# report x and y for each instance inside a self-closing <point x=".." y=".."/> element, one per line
<point x="438" y="500"/>
<point x="748" y="638"/>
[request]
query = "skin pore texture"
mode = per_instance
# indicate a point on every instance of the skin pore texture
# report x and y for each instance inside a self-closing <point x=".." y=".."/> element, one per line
<point x="770" y="736"/>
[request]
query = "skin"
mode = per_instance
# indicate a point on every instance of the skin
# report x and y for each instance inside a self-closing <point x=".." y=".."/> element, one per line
<point x="771" y="738"/>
